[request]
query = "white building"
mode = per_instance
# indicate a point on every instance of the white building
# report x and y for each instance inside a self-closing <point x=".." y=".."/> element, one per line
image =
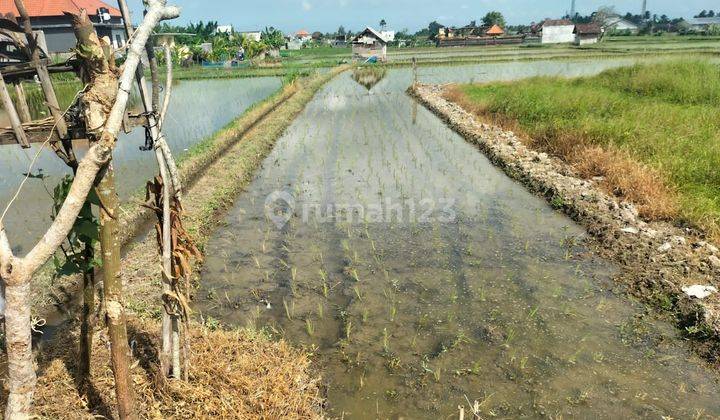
<point x="224" y="29"/>
<point x="586" y="34"/>
<point x="702" y="24"/>
<point x="253" y="35"/>
<point x="618" y="24"/>
<point x="389" y="36"/>
<point x="557" y="31"/>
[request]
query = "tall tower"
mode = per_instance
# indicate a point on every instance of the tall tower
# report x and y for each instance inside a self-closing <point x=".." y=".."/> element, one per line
<point x="572" y="9"/>
<point x="644" y="9"/>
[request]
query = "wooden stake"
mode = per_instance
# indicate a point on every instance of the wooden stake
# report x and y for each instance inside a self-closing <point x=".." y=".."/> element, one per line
<point x="114" y="302"/>
<point x="22" y="104"/>
<point x="42" y="72"/>
<point x="12" y="113"/>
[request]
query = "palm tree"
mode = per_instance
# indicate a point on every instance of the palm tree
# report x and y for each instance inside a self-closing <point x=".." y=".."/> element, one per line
<point x="383" y="24"/>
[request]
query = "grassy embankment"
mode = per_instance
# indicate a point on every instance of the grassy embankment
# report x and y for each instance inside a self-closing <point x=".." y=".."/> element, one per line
<point x="652" y="132"/>
<point x="237" y="374"/>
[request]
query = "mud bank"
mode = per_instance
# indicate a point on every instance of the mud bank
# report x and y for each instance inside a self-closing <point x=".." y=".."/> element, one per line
<point x="665" y="267"/>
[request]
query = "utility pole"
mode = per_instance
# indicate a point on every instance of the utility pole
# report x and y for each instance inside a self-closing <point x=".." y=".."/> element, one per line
<point x="644" y="8"/>
<point x="572" y="10"/>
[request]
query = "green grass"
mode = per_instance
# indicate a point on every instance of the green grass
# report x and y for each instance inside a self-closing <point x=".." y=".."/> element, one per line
<point x="663" y="115"/>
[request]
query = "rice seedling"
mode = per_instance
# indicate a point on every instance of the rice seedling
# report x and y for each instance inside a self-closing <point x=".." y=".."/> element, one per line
<point x="348" y="329"/>
<point x="357" y="293"/>
<point x="386" y="341"/>
<point x="309" y="327"/>
<point x="289" y="310"/>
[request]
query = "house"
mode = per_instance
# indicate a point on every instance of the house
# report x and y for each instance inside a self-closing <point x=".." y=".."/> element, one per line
<point x="224" y="29"/>
<point x="253" y="35"/>
<point x="340" y="41"/>
<point x="388" y="35"/>
<point x="369" y="43"/>
<point x="48" y="18"/>
<point x="557" y="31"/>
<point x="618" y="24"/>
<point x="303" y="35"/>
<point x="586" y="34"/>
<point x="703" y="24"/>
<point x="473" y="35"/>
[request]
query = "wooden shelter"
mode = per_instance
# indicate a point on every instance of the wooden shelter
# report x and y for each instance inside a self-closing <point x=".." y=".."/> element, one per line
<point x="369" y="43"/>
<point x="23" y="59"/>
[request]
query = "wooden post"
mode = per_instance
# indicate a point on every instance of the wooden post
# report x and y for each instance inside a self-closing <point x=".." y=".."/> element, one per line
<point x="169" y="354"/>
<point x="42" y="72"/>
<point x="12" y="113"/>
<point x="22" y="104"/>
<point x="114" y="301"/>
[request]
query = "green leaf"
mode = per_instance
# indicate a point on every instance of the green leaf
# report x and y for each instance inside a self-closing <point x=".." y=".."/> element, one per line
<point x="87" y="229"/>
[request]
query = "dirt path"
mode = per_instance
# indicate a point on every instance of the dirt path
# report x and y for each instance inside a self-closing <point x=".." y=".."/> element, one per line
<point x="659" y="261"/>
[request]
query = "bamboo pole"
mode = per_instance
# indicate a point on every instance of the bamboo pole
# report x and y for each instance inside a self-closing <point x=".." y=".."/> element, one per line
<point x="169" y="352"/>
<point x="12" y="114"/>
<point x="22" y="104"/>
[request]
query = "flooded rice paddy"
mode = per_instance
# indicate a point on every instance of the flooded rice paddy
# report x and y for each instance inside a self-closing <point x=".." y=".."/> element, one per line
<point x="199" y="108"/>
<point x="422" y="278"/>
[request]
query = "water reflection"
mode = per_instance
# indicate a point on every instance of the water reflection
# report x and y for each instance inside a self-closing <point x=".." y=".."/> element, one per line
<point x="198" y="109"/>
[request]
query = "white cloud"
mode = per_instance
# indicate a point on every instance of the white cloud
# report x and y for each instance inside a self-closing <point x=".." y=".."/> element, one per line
<point x="306" y="5"/>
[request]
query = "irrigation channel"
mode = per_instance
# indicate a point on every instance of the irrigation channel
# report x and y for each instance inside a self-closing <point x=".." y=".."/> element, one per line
<point x="423" y="278"/>
<point x="199" y="108"/>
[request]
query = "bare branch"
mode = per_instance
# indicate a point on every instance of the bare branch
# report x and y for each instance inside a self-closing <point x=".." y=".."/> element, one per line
<point x="156" y="12"/>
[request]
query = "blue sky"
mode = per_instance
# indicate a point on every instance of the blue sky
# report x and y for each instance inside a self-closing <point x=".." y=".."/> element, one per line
<point x="327" y="15"/>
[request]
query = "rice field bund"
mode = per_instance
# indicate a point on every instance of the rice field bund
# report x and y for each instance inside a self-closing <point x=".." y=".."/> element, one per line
<point x="421" y="278"/>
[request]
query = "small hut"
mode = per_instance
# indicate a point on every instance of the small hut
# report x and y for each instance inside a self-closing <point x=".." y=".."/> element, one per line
<point x="586" y="34"/>
<point x="368" y="44"/>
<point x="495" y="30"/>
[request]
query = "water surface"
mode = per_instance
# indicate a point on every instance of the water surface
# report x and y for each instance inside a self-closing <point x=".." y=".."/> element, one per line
<point x="423" y="278"/>
<point x="198" y="109"/>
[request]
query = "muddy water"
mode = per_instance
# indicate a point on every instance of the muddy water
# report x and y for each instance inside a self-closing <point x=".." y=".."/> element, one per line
<point x="198" y="109"/>
<point x="422" y="278"/>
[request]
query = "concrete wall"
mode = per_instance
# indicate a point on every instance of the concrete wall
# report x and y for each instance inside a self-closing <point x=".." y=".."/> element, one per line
<point x="558" y="34"/>
<point x="586" y="40"/>
<point x="60" y="37"/>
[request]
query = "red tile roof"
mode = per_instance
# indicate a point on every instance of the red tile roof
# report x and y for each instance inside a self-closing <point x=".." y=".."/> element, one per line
<point x="588" y="29"/>
<point x="45" y="8"/>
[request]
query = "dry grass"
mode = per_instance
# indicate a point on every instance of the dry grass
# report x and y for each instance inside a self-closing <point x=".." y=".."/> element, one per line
<point x="622" y="176"/>
<point x="233" y="374"/>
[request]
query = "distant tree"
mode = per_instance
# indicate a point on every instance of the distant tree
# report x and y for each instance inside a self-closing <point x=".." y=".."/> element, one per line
<point x="494" y="18"/>
<point x="603" y="14"/>
<point x="433" y="29"/>
<point x="711" y="13"/>
<point x="273" y="38"/>
<point x="317" y="36"/>
<point x="383" y="24"/>
<point x="702" y="14"/>
<point x="341" y="31"/>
